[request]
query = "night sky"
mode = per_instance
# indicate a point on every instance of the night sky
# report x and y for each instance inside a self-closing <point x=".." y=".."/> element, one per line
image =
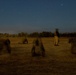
<point x="37" y="15"/>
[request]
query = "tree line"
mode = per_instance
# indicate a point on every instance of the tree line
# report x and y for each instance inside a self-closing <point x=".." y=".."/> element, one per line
<point x="37" y="34"/>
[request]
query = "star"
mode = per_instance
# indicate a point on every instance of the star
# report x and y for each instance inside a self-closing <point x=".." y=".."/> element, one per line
<point x="61" y="4"/>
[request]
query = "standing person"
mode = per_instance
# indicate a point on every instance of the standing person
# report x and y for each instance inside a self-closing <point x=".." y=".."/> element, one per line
<point x="56" y="37"/>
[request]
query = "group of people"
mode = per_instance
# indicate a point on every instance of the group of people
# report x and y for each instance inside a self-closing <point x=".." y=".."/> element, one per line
<point x="38" y="48"/>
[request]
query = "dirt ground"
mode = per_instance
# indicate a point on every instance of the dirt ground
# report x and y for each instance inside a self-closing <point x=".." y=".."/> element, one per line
<point x="57" y="61"/>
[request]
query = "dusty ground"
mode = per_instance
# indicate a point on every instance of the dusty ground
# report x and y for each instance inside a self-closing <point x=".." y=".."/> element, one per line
<point x="58" y="59"/>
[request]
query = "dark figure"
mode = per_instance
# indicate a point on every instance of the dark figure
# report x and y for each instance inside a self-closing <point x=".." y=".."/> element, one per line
<point x="5" y="43"/>
<point x="73" y="45"/>
<point x="38" y="49"/>
<point x="25" y="41"/>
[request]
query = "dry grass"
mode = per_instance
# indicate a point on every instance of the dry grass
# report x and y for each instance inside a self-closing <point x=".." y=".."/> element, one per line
<point x="58" y="59"/>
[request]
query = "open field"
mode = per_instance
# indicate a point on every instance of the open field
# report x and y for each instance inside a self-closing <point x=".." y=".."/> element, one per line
<point x="57" y="61"/>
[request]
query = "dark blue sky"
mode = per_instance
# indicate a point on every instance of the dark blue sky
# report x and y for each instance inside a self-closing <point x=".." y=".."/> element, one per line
<point x="37" y="15"/>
